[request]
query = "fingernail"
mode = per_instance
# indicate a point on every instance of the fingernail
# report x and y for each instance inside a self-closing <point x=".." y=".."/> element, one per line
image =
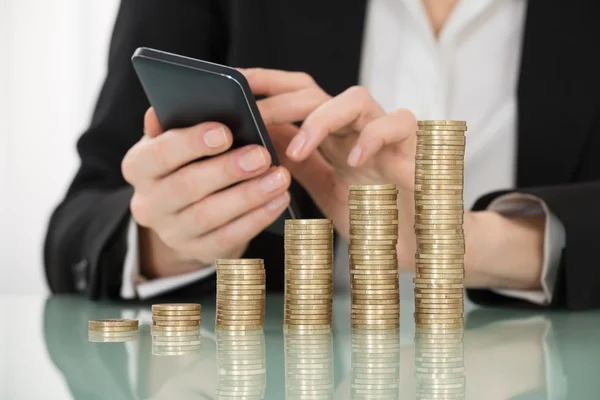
<point x="354" y="156"/>
<point x="215" y="137"/>
<point x="273" y="181"/>
<point x="252" y="160"/>
<point x="296" y="145"/>
<point x="278" y="202"/>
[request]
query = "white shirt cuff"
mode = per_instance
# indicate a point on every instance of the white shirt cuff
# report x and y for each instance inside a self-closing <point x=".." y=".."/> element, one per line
<point x="517" y="204"/>
<point x="135" y="285"/>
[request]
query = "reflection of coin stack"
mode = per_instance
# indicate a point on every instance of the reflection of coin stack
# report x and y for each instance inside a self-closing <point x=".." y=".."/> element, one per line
<point x="439" y="364"/>
<point x="113" y="330"/>
<point x="439" y="224"/>
<point x="375" y="364"/>
<point x="308" y="365"/>
<point x="241" y="286"/>
<point x="176" y="329"/>
<point x="242" y="364"/>
<point x="308" y="273"/>
<point x="373" y="259"/>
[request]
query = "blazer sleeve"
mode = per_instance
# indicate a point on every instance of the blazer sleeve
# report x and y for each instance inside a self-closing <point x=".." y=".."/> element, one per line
<point x="85" y="242"/>
<point x="578" y="279"/>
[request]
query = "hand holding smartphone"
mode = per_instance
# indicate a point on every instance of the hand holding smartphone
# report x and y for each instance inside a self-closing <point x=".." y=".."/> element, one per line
<point x="185" y="92"/>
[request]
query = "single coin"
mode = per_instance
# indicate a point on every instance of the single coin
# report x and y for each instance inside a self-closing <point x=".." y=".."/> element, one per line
<point x="310" y="252"/>
<point x="354" y="188"/>
<point x="379" y="214"/>
<point x="444" y="122"/>
<point x="295" y="237"/>
<point x="365" y="193"/>
<point x="373" y="228"/>
<point x="373" y="223"/>
<point x="373" y="197"/>
<point x="113" y="322"/>
<point x="240" y="286"/>
<point x="388" y="286"/>
<point x="306" y="278"/>
<point x="373" y="257"/>
<point x="328" y="246"/>
<point x="433" y="295"/>
<point x="112" y="329"/>
<point x="457" y="151"/>
<point x="175" y="323"/>
<point x="373" y="207"/>
<point x="315" y="221"/>
<point x="392" y="273"/>
<point x="372" y="250"/>
<point x="372" y="237"/>
<point x="325" y="262"/>
<point x="356" y="243"/>
<point x="176" y="313"/>
<point x="226" y="293"/>
<point x="175" y="327"/>
<point x="441" y="256"/>
<point x="387" y="233"/>
<point x="176" y="307"/>
<point x="240" y="297"/>
<point x="176" y="318"/>
<point x="392" y="296"/>
<point x="453" y="218"/>
<point x="317" y="233"/>
<point x="304" y="285"/>
<point x="240" y="261"/>
<point x="372" y="203"/>
<point x="441" y="275"/>
<point x="424" y="181"/>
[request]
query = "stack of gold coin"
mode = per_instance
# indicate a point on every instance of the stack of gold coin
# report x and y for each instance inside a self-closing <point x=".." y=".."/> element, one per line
<point x="375" y="364"/>
<point x="242" y="364"/>
<point x="113" y="330"/>
<point x="439" y="364"/>
<point x="176" y="329"/>
<point x="241" y="287"/>
<point x="308" y="365"/>
<point x="373" y="260"/>
<point x="308" y="273"/>
<point x="439" y="211"/>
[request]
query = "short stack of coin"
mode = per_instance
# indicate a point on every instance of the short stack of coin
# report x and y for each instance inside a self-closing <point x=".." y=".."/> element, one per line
<point x="176" y="329"/>
<point x="375" y="364"/>
<point x="241" y="287"/>
<point x="308" y="365"/>
<point x="112" y="330"/>
<point x="241" y="364"/>
<point x="439" y="210"/>
<point x="439" y="364"/>
<point x="308" y="273"/>
<point x="373" y="259"/>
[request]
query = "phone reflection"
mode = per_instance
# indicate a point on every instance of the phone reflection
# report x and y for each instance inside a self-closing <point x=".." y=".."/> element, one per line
<point x="375" y="364"/>
<point x="308" y="365"/>
<point x="241" y="364"/>
<point x="439" y="364"/>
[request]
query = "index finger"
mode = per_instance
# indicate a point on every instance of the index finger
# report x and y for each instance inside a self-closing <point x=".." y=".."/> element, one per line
<point x="271" y="82"/>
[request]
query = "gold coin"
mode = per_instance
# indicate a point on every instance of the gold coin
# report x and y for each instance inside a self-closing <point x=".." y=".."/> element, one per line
<point x="320" y="279"/>
<point x="427" y="247"/>
<point x="373" y="207"/>
<point x="440" y="276"/>
<point x="307" y="302"/>
<point x="322" y="238"/>
<point x="175" y="323"/>
<point x="320" y="296"/>
<point x="388" y="286"/>
<point x="358" y="188"/>
<point x="373" y="257"/>
<point x="373" y="228"/>
<point x="176" y="307"/>
<point x="393" y="296"/>
<point x="389" y="272"/>
<point x="375" y="301"/>
<point x="368" y="307"/>
<point x="308" y="252"/>
<point x="425" y="182"/>
<point x="425" y="208"/>
<point x="309" y="231"/>
<point x="241" y="307"/>
<point x="441" y="158"/>
<point x="373" y="237"/>
<point x="374" y="223"/>
<point x="175" y="313"/>
<point x="380" y="213"/>
<point x="113" y="322"/>
<point x="438" y="326"/>
<point x="321" y="318"/>
<point x="438" y="281"/>
<point x="359" y="292"/>
<point x="222" y="316"/>
<point x="225" y="293"/>
<point x="455" y="168"/>
<point x="304" y="285"/>
<point x="239" y="297"/>
<point x="373" y="232"/>
<point x="372" y="243"/>
<point x="240" y="286"/>
<point x="439" y="231"/>
<point x="433" y="177"/>
<point x="372" y="203"/>
<point x="308" y="327"/>
<point x="175" y="327"/>
<point x="372" y="251"/>
<point x="366" y="325"/>
<point x="374" y="193"/>
<point x="445" y="122"/>
<point x="373" y="197"/>
<point x="315" y="221"/>
<point x="292" y="247"/>
<point x="453" y="218"/>
<point x="221" y="311"/>
<point x="309" y="257"/>
<point x="176" y="318"/>
<point x="112" y="329"/>
<point x="440" y="302"/>
<point x="429" y="294"/>
<point x="440" y="150"/>
<point x="442" y="308"/>
<point x="439" y="256"/>
<point x="240" y="261"/>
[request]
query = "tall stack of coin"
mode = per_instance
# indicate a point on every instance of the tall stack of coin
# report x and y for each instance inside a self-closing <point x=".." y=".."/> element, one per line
<point x="375" y="364"/>
<point x="373" y="259"/>
<point x="242" y="364"/>
<point x="308" y="273"/>
<point x="439" y="364"/>
<point x="308" y="365"/>
<point x="113" y="330"/>
<point x="439" y="210"/>
<point x="176" y="329"/>
<point x="241" y="287"/>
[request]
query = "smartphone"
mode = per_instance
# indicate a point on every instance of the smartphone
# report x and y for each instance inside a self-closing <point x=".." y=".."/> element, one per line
<point x="186" y="91"/>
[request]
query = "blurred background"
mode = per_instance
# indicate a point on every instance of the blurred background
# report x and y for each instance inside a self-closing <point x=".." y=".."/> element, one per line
<point x="53" y="57"/>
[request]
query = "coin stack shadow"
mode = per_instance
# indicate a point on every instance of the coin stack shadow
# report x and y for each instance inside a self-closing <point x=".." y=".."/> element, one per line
<point x="439" y="364"/>
<point x="241" y="287"/>
<point x="241" y="364"/>
<point x="375" y="364"/>
<point x="308" y="365"/>
<point x="308" y="245"/>
<point x="112" y="330"/>
<point x="439" y="210"/>
<point x="176" y="329"/>
<point x="373" y="260"/>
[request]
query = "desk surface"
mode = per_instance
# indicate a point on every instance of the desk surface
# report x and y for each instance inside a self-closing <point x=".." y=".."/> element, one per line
<point x="508" y="354"/>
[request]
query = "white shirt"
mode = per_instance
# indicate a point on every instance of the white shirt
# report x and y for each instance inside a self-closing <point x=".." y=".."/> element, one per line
<point x="470" y="73"/>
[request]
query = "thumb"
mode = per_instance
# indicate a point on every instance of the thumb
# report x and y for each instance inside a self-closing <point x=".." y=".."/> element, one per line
<point x="152" y="126"/>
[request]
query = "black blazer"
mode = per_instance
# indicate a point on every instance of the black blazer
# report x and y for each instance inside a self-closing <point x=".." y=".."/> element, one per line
<point x="558" y="124"/>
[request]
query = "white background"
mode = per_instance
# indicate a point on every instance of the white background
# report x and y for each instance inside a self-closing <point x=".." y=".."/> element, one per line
<point x="53" y="56"/>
